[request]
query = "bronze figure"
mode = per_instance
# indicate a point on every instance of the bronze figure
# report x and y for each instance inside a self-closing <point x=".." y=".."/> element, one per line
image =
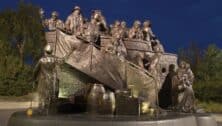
<point x="124" y="30"/>
<point x="117" y="40"/>
<point x="74" y="21"/>
<point x="53" y="23"/>
<point x="135" y="32"/>
<point x="147" y="31"/>
<point x="100" y="21"/>
<point x="46" y="76"/>
<point x="183" y="97"/>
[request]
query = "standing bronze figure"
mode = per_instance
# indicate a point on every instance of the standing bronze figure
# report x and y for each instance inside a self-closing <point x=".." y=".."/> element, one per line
<point x="74" y="21"/>
<point x="147" y="31"/>
<point x="100" y="21"/>
<point x="117" y="40"/>
<point x="46" y="76"/>
<point x="135" y="32"/>
<point x="54" y="22"/>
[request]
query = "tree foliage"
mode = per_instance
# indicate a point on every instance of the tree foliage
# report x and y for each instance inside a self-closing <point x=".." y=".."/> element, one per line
<point x="21" y="40"/>
<point x="208" y="72"/>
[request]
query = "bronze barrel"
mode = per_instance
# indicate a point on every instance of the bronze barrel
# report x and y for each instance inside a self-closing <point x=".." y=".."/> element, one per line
<point x="95" y="99"/>
<point x="109" y="103"/>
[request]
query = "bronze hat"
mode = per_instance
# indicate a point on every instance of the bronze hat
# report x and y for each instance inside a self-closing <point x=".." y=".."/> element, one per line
<point x="147" y="23"/>
<point x="55" y="13"/>
<point x="76" y="8"/>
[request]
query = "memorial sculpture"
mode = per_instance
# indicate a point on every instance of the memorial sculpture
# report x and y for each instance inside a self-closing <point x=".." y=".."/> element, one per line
<point x="90" y="68"/>
<point x="81" y="50"/>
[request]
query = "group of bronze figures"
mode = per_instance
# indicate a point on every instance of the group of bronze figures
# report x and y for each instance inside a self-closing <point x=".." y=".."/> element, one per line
<point x="91" y="29"/>
<point x="178" y="88"/>
<point x="177" y="92"/>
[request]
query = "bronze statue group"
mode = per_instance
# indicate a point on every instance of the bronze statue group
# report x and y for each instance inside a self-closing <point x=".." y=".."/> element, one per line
<point x="77" y="25"/>
<point x="180" y="93"/>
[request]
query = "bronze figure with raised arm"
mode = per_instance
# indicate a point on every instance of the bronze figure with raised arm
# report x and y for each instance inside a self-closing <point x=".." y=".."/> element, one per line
<point x="100" y="21"/>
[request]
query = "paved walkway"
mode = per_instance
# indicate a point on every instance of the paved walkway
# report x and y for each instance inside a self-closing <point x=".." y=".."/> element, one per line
<point x="218" y="117"/>
<point x="9" y="107"/>
<point x="16" y="105"/>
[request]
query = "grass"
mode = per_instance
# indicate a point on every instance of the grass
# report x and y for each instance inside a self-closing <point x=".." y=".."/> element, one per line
<point x="212" y="107"/>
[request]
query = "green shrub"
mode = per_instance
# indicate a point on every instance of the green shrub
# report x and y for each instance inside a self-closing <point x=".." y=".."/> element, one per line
<point x="208" y="91"/>
<point x="210" y="106"/>
<point x="16" y="82"/>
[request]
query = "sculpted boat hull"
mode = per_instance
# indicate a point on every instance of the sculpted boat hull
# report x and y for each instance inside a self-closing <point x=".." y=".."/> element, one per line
<point x="105" y="68"/>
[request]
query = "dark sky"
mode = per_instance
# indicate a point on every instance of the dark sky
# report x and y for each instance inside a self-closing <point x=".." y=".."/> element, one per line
<point x="175" y="22"/>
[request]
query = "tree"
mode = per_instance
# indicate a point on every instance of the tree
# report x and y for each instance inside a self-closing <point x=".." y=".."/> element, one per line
<point x="28" y="32"/>
<point x="192" y="54"/>
<point x="21" y="38"/>
<point x="207" y="67"/>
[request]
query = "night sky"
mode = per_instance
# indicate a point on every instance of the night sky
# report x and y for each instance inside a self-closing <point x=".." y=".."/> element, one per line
<point x="176" y="22"/>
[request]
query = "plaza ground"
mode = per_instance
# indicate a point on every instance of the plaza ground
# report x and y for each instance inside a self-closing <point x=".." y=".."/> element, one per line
<point x="9" y="107"/>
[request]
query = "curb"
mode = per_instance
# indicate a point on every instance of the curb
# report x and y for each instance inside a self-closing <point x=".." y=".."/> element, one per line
<point x="16" y="105"/>
<point x="217" y="117"/>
